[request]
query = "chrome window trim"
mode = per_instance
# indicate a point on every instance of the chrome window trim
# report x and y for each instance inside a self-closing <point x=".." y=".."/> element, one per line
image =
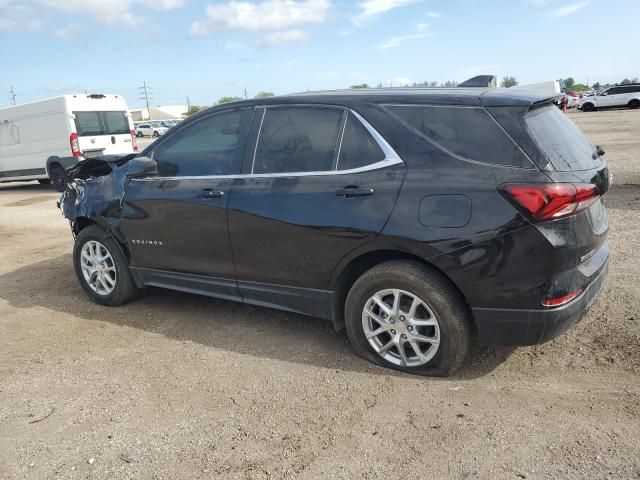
<point x="344" y="126"/>
<point x="255" y="148"/>
<point x="391" y="158"/>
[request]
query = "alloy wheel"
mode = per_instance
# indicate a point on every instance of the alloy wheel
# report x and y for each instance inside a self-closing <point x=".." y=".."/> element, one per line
<point x="98" y="267"/>
<point x="401" y="327"/>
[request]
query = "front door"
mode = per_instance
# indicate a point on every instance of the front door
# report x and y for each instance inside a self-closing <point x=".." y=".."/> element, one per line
<point x="175" y="223"/>
<point x="316" y="185"/>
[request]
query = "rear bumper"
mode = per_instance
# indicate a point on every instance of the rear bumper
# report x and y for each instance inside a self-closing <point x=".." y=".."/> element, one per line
<point x="530" y="327"/>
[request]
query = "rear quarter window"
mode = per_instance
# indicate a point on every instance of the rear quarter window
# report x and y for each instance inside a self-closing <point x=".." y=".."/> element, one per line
<point x="561" y="141"/>
<point x="468" y="132"/>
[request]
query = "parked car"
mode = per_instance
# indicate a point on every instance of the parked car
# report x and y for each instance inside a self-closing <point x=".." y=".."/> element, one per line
<point x="39" y="140"/>
<point x="151" y="129"/>
<point x="617" y="96"/>
<point x="415" y="219"/>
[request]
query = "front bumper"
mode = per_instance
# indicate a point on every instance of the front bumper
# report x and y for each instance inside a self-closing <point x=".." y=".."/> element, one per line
<point x="498" y="326"/>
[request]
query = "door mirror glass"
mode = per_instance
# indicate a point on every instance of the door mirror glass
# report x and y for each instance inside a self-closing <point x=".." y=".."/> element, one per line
<point x="140" y="167"/>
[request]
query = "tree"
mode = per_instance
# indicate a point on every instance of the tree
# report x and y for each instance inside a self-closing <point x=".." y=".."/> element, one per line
<point x="263" y="94"/>
<point x="596" y="86"/>
<point x="229" y="99"/>
<point x="449" y="84"/>
<point x="626" y="81"/>
<point x="508" y="82"/>
<point x="362" y="85"/>
<point x="567" y="83"/>
<point x="193" y="109"/>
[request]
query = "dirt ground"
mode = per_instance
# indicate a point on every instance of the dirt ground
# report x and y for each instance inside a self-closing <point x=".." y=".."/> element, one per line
<point x="175" y="386"/>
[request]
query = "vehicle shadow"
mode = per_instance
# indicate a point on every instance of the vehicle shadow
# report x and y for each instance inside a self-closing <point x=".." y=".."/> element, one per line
<point x="211" y="322"/>
<point x="26" y="187"/>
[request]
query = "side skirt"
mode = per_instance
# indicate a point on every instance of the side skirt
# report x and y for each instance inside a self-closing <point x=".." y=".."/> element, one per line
<point x="305" y="301"/>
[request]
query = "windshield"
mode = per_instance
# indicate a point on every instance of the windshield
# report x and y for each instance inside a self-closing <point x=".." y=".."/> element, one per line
<point x="101" y="123"/>
<point x="562" y="142"/>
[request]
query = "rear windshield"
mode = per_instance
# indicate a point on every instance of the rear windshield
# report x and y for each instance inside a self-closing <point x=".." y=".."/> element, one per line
<point x="101" y="123"/>
<point x="561" y="141"/>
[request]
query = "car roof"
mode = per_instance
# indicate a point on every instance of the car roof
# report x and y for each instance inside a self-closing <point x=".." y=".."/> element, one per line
<point x="474" y="96"/>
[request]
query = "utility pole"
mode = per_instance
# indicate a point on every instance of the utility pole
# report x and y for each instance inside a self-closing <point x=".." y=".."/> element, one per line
<point x="146" y="91"/>
<point x="245" y="93"/>
<point x="188" y="104"/>
<point x="12" y="94"/>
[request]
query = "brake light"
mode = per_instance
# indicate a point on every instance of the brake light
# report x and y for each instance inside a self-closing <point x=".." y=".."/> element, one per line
<point x="549" y="201"/>
<point x="557" y="302"/>
<point x="75" y="145"/>
<point x="134" y="140"/>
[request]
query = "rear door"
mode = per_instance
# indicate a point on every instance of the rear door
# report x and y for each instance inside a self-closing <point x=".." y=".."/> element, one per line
<point x="103" y="132"/>
<point x="317" y="183"/>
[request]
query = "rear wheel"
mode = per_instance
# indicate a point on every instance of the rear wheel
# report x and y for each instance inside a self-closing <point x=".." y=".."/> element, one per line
<point x="588" y="107"/>
<point x="139" y="134"/>
<point x="101" y="267"/>
<point x="156" y="134"/>
<point x="635" y="103"/>
<point x="58" y="177"/>
<point x="404" y="316"/>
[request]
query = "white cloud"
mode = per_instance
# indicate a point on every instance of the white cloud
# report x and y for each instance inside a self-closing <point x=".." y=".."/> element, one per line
<point x="569" y="9"/>
<point x="372" y="8"/>
<point x="283" y="38"/>
<point x="433" y="14"/>
<point x="397" y="41"/>
<point x="422" y="27"/>
<point x="17" y="16"/>
<point x="65" y="33"/>
<point x="266" y="15"/>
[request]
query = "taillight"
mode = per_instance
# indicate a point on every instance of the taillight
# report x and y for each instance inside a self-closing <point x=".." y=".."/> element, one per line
<point x="559" y="301"/>
<point x="134" y="140"/>
<point x="549" y="201"/>
<point x="75" y="145"/>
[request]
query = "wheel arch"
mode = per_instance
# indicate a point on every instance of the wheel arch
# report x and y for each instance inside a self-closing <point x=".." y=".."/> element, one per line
<point x="80" y="223"/>
<point x="343" y="280"/>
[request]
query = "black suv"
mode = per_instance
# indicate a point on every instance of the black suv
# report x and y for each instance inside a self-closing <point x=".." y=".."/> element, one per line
<point x="416" y="218"/>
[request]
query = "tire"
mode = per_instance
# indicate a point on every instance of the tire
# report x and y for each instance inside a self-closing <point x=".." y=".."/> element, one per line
<point x="139" y="134"/>
<point x="44" y="181"/>
<point x="58" y="177"/>
<point x="123" y="286"/>
<point x="442" y="302"/>
<point x="635" y="103"/>
<point x="155" y="134"/>
<point x="588" y="107"/>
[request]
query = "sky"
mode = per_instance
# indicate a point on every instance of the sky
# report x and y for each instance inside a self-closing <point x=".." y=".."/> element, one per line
<point x="212" y="48"/>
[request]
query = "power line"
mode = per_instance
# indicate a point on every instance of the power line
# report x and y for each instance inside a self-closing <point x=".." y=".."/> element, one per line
<point x="145" y="89"/>
<point x="12" y="94"/>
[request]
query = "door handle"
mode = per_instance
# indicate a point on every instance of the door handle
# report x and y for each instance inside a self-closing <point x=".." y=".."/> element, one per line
<point x="208" y="193"/>
<point x="354" y="191"/>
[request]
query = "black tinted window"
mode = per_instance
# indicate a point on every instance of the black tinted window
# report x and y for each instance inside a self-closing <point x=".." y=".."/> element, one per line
<point x="561" y="141"/>
<point x="101" y="123"/>
<point x="468" y="132"/>
<point x="205" y="147"/>
<point x="297" y="139"/>
<point x="358" y="146"/>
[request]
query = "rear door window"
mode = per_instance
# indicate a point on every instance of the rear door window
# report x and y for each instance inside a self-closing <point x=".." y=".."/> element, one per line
<point x="358" y="148"/>
<point x="101" y="123"/>
<point x="467" y="132"/>
<point x="560" y="140"/>
<point x="297" y="139"/>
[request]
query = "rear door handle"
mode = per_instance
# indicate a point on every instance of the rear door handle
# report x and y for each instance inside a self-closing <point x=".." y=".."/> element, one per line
<point x="353" y="191"/>
<point x="208" y="193"/>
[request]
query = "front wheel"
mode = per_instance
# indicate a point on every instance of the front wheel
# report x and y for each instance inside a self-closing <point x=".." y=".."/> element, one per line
<point x="404" y="316"/>
<point x="588" y="107"/>
<point x="102" y="268"/>
<point x="635" y="103"/>
<point x="156" y="134"/>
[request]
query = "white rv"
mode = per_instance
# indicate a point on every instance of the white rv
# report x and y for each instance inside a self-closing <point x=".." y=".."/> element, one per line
<point x="39" y="140"/>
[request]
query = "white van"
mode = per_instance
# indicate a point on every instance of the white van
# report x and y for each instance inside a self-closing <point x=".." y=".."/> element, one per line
<point x="39" y="140"/>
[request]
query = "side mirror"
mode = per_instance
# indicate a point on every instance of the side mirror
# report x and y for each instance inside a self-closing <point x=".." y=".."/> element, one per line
<point x="599" y="150"/>
<point x="140" y="167"/>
